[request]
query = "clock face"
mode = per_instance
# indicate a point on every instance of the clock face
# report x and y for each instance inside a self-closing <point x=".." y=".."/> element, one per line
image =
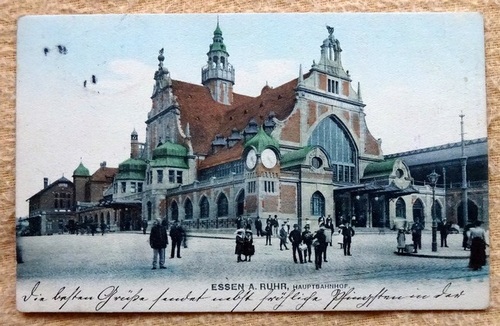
<point x="251" y="160"/>
<point x="268" y="158"/>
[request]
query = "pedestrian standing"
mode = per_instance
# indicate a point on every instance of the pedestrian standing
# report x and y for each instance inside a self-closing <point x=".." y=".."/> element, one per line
<point x="239" y="222"/>
<point x="248" y="224"/>
<point x="321" y="220"/>
<point x="477" y="240"/>
<point x="144" y="226"/>
<point x="319" y="244"/>
<point x="240" y="242"/>
<point x="416" y="236"/>
<point x="283" y="235"/>
<point x="347" y="234"/>
<point x="158" y="241"/>
<point x="307" y="238"/>
<point x="248" y="247"/>
<point x="443" y="231"/>
<point x="276" y="225"/>
<point x="176" y="234"/>
<point x="329" y="228"/>
<point x="296" y="238"/>
<point x="258" y="226"/>
<point x="401" y="239"/>
<point x="103" y="227"/>
<point x="328" y="239"/>
<point x="269" y="233"/>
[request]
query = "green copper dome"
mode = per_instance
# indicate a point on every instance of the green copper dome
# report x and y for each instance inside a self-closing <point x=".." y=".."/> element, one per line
<point x="81" y="171"/>
<point x="262" y="141"/>
<point x="170" y="154"/>
<point x="132" y="169"/>
<point x="218" y="41"/>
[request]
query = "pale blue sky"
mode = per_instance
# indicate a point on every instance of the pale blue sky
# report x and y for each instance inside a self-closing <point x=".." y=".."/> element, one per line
<point x="417" y="73"/>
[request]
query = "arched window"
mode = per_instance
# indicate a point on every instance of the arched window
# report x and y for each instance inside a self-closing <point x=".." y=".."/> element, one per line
<point x="400" y="208"/>
<point x="240" y="203"/>
<point x="204" y="207"/>
<point x="317" y="204"/>
<point x="222" y="205"/>
<point x="334" y="138"/>
<point x="188" y="209"/>
<point x="174" y="211"/>
<point x="102" y="218"/>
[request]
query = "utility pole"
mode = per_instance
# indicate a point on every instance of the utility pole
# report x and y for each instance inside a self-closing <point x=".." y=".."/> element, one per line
<point x="463" y="160"/>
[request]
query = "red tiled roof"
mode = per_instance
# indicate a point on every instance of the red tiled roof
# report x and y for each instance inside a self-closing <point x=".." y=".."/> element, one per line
<point x="208" y="118"/>
<point x="203" y="114"/>
<point x="104" y="174"/>
<point x="222" y="156"/>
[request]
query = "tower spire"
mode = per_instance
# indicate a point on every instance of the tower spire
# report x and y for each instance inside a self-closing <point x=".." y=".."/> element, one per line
<point x="218" y="74"/>
<point x="359" y="93"/>
<point x="301" y="77"/>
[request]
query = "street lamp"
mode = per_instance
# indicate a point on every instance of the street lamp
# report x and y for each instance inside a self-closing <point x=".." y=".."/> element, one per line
<point x="433" y="178"/>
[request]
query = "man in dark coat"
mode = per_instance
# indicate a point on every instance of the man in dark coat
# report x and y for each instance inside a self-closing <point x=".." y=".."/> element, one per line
<point x="258" y="226"/>
<point x="319" y="246"/>
<point x="239" y="222"/>
<point x="144" y="225"/>
<point x="347" y="233"/>
<point x="296" y="238"/>
<point x="416" y="236"/>
<point x="158" y="240"/>
<point x="307" y="238"/>
<point x="176" y="234"/>
<point x="443" y="232"/>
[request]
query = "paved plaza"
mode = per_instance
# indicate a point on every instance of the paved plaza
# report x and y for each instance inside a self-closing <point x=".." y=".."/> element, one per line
<point x="209" y="256"/>
<point x="79" y="273"/>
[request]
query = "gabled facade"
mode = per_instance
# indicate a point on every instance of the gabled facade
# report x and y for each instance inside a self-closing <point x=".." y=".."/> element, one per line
<point x="213" y="154"/>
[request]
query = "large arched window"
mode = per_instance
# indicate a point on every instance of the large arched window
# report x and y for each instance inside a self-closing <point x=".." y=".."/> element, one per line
<point x="188" y="209"/>
<point x="174" y="211"/>
<point x="400" y="208"/>
<point x="333" y="137"/>
<point x="222" y="206"/>
<point x="240" y="203"/>
<point x="204" y="207"/>
<point x="317" y="204"/>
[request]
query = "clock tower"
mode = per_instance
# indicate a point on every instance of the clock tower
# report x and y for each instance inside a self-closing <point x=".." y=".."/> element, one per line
<point x="262" y="169"/>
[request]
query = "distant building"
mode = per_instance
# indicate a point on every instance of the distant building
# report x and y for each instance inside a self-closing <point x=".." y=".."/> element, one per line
<point x="52" y="208"/>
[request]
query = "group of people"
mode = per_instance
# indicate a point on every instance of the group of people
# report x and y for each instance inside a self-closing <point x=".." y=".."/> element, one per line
<point x="244" y="245"/>
<point x="303" y="243"/>
<point x="158" y="240"/>
<point x="474" y="237"/>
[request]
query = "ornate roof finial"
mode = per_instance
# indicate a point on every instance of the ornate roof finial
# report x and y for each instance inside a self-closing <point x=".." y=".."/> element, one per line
<point x="301" y="78"/>
<point x="330" y="30"/>
<point x="161" y="58"/>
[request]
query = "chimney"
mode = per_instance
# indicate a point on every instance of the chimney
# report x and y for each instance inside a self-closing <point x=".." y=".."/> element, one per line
<point x="45" y="182"/>
<point x="103" y="164"/>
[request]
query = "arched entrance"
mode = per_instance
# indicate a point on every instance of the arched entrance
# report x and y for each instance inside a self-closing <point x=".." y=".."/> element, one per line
<point x="240" y="203"/>
<point x="472" y="213"/>
<point x="418" y="212"/>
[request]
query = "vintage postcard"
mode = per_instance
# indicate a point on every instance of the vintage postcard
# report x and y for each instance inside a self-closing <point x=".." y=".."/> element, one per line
<point x="251" y="163"/>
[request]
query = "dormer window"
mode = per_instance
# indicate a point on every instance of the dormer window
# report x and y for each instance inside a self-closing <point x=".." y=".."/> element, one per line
<point x="333" y="86"/>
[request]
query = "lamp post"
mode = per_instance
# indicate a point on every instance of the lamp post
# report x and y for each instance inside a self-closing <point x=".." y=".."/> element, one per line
<point x="433" y="178"/>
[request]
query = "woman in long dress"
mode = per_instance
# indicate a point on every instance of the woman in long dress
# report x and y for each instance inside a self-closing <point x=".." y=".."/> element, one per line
<point x="477" y="239"/>
<point x="401" y="241"/>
